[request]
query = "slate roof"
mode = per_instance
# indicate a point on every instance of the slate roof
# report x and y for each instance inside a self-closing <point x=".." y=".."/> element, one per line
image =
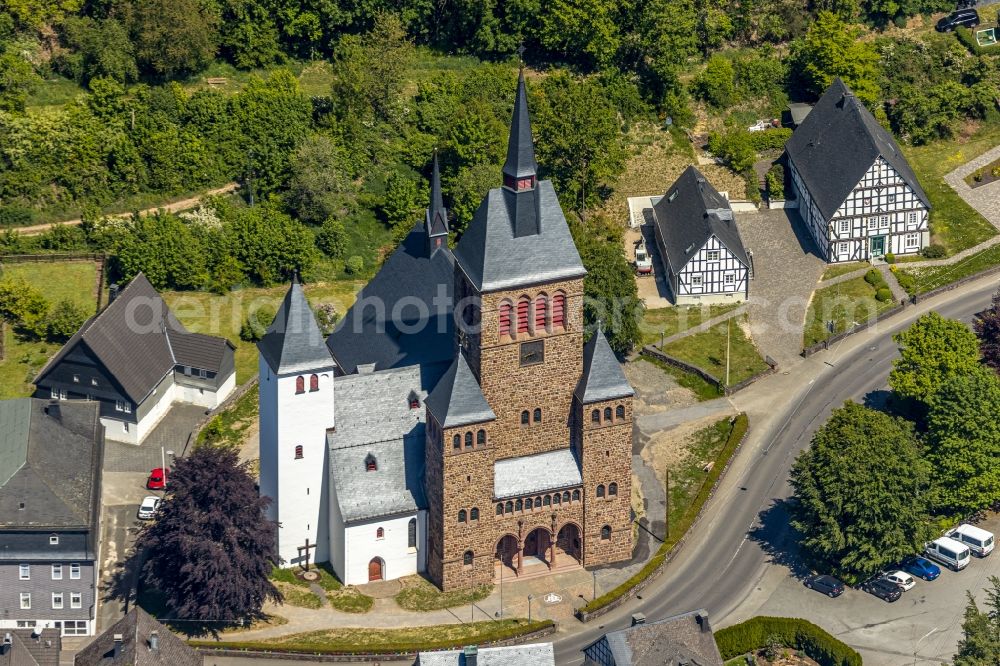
<point x="31" y="649"/>
<point x="437" y="214"/>
<point x="136" y="338"/>
<point x="836" y="144"/>
<point x="520" y="146"/>
<point x="532" y="654"/>
<point x="56" y="458"/>
<point x="674" y="641"/>
<point x="458" y="399"/>
<point x="293" y="342"/>
<point x="373" y="416"/>
<point x="536" y="473"/>
<point x="136" y="628"/>
<point x="690" y="213"/>
<point x="603" y="377"/>
<point x="493" y="257"/>
<point x="368" y="333"/>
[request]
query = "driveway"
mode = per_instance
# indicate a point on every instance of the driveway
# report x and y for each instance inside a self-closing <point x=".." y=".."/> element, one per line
<point x="170" y="434"/>
<point x="786" y="268"/>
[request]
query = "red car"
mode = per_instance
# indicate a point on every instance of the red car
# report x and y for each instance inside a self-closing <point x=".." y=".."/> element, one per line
<point x="157" y="479"/>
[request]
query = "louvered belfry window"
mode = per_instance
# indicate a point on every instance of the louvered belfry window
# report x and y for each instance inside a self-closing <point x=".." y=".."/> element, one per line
<point x="506" y="310"/>
<point x="558" y="311"/>
<point x="540" y="303"/>
<point x="522" y="315"/>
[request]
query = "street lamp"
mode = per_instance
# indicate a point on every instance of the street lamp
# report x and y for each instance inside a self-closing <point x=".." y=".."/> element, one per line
<point x="594" y="574"/>
<point x="530" y="597"/>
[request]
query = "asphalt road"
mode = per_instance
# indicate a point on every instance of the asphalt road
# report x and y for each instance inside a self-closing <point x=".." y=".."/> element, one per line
<point x="724" y="562"/>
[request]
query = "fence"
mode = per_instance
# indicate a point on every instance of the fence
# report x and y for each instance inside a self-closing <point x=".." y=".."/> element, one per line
<point x="658" y="354"/>
<point x="825" y="344"/>
<point x="52" y="257"/>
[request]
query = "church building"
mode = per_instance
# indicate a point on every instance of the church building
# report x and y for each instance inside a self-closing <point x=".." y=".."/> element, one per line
<point x="458" y="422"/>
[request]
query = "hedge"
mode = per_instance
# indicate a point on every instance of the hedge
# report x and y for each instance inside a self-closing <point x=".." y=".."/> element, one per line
<point x="968" y="38"/>
<point x="771" y="139"/>
<point x="796" y="633"/>
<point x="736" y="435"/>
<point x="341" y="646"/>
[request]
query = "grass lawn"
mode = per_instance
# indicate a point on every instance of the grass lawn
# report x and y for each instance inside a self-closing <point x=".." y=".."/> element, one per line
<point x="920" y="280"/>
<point x="418" y="594"/>
<point x="298" y="596"/>
<point x="342" y="639"/>
<point x="707" y="350"/>
<point x="702" y="390"/>
<point x="954" y="223"/>
<point x="687" y="477"/>
<point x="228" y="429"/>
<point x="73" y="280"/>
<point x="843" y="269"/>
<point x="845" y="303"/>
<point x="350" y="600"/>
<point x="214" y="314"/>
<point x="667" y="321"/>
<point x="296" y="590"/>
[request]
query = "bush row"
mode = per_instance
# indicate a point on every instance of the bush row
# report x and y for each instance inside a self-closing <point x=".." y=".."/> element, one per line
<point x="796" y="633"/>
<point x="772" y="139"/>
<point x="968" y="39"/>
<point x="739" y="430"/>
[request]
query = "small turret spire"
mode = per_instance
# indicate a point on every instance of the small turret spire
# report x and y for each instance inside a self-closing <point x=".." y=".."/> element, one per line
<point x="437" y="215"/>
<point x="520" y="170"/>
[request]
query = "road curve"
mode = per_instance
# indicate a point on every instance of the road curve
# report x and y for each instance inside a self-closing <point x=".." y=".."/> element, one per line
<point x="727" y="555"/>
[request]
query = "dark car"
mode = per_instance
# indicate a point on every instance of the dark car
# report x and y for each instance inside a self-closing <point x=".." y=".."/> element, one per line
<point x="921" y="567"/>
<point x="883" y="589"/>
<point x="966" y="18"/>
<point x="828" y="585"/>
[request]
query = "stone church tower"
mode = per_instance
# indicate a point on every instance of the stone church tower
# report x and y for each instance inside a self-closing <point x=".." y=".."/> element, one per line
<point x="529" y="432"/>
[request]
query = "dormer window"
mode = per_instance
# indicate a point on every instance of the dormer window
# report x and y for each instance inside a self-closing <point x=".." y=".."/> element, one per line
<point x="525" y="183"/>
<point x="414" y="400"/>
<point x="371" y="465"/>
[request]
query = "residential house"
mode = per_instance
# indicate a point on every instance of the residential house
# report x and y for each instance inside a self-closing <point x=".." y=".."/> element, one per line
<point x="680" y="640"/>
<point x="857" y="194"/>
<point x="135" y="359"/>
<point x="138" y="640"/>
<point x="30" y="647"/>
<point x="535" y="654"/>
<point x="50" y="490"/>
<point x="699" y="244"/>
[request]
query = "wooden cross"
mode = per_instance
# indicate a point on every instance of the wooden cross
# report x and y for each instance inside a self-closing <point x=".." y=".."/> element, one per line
<point x="305" y="557"/>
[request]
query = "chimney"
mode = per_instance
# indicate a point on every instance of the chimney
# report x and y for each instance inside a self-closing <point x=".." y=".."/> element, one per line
<point x="53" y="410"/>
<point x="471" y="653"/>
<point x="703" y="622"/>
<point x="154" y="640"/>
<point x="638" y="618"/>
<point x="113" y="290"/>
<point x="118" y="646"/>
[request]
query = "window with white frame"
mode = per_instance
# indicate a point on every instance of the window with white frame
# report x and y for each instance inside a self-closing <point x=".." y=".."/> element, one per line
<point x="26" y="624"/>
<point x="24" y="572"/>
<point x="93" y="381"/>
<point x="713" y="255"/>
<point x="729" y="278"/>
<point x="74" y="628"/>
<point x="912" y="241"/>
<point x="75" y="600"/>
<point x="53" y="539"/>
<point x="57" y="600"/>
<point x="696" y="280"/>
<point x="76" y="379"/>
<point x="845" y="226"/>
<point x="123" y="406"/>
<point x="54" y="393"/>
<point x="883" y="222"/>
<point x="911" y="218"/>
<point x="842" y="248"/>
<point x="873" y="223"/>
<point x="56" y="572"/>
<point x="74" y="571"/>
<point x="26" y="601"/>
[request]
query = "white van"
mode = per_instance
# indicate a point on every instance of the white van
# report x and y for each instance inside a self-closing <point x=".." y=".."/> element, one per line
<point x="977" y="539"/>
<point x="953" y="554"/>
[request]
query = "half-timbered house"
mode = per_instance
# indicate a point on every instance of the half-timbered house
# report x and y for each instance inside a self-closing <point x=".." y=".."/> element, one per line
<point x="857" y="195"/>
<point x="699" y="244"/>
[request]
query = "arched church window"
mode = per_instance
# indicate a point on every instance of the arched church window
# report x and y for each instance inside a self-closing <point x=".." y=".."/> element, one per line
<point x="607" y="413"/>
<point x="371" y="465"/>
<point x="313" y="382"/>
<point x="481" y="438"/>
<point x="518" y="505"/>
<point x="468" y="440"/>
<point x="538" y="415"/>
<point x="300" y="384"/>
<point x="456" y="442"/>
<point x="606" y="532"/>
<point x="600" y="490"/>
<point x="500" y="508"/>
<point x="559" y="311"/>
<point x="380" y="533"/>
<point x="541" y="303"/>
<point x="411" y="533"/>
<point x="525" y="417"/>
<point x="566" y="497"/>
<point x="461" y="516"/>
<point x="612" y="489"/>
<point x="522" y="315"/>
<point x="547" y="501"/>
<point x="474" y="513"/>
<point x="527" y="504"/>
<point x="595" y="416"/>
<point x="620" y="412"/>
<point x="298" y="452"/>
<point x="506" y="311"/>
<point x="538" y="502"/>
<point x="556" y="499"/>
<point x="414" y="400"/>
<point x="509" y="508"/>
<point x="467" y="558"/>
<point x="576" y="495"/>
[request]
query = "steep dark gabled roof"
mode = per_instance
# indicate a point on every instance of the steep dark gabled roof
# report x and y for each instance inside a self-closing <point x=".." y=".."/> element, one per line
<point x="493" y="257"/>
<point x="32" y="649"/>
<point x="457" y="399"/>
<point x="603" y="378"/>
<point x="200" y="351"/>
<point x="520" y="146"/>
<point x="294" y="343"/>
<point x="136" y="628"/>
<point x="837" y="143"/>
<point x="368" y="335"/>
<point x="681" y="639"/>
<point x="690" y="213"/>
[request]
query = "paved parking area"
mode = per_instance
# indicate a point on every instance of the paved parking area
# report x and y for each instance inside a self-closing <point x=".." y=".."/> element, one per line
<point x="922" y="628"/>
<point x="170" y="433"/>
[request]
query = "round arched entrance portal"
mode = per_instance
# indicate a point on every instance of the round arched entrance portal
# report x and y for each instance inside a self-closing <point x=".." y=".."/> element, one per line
<point x="376" y="569"/>
<point x="568" y="541"/>
<point x="506" y="551"/>
<point x="537" y="544"/>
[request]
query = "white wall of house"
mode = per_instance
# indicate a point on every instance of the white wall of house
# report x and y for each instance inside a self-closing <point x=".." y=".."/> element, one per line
<point x="882" y="211"/>
<point x="296" y="486"/>
<point x="203" y="397"/>
<point x="361" y="544"/>
<point x="712" y="275"/>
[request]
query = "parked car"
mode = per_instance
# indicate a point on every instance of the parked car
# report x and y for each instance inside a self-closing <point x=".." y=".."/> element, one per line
<point x="643" y="262"/>
<point x="979" y="541"/>
<point x="147" y="510"/>
<point x="962" y="18"/>
<point x="883" y="589"/>
<point x="921" y="567"/>
<point x="953" y="554"/>
<point x="828" y="585"/>
<point x="902" y="579"/>
<point x="157" y="479"/>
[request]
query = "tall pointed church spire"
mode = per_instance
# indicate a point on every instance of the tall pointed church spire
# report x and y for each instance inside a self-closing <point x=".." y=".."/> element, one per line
<point x="520" y="171"/>
<point x="436" y="222"/>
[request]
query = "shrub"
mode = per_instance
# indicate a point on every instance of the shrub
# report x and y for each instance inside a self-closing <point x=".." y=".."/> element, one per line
<point x="355" y="264"/>
<point x="775" y="180"/>
<point x="331" y="238"/>
<point x="906" y="281"/>
<point x="327" y="317"/>
<point x="63" y="320"/>
<point x="15" y="216"/>
<point x="883" y="295"/>
<point x="754" y="634"/>
<point x="772" y="139"/>
<point x="753" y="188"/>
<point x="995" y="171"/>
<point x="715" y="84"/>
<point x="874" y="278"/>
<point x="968" y="39"/>
<point x="733" y="147"/>
<point x="255" y="325"/>
<point x="890" y="258"/>
<point x="933" y="251"/>
<point x="977" y="175"/>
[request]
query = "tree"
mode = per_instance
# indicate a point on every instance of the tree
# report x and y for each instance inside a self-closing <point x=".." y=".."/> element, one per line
<point x="38" y="13"/>
<point x="400" y="204"/>
<point x="268" y="243"/>
<point x="831" y="48"/>
<point x="715" y="84"/>
<point x="331" y="238"/>
<point x="23" y="306"/>
<point x="98" y="48"/>
<point x="859" y="501"/>
<point x="584" y="30"/>
<point x="932" y="350"/>
<point x="319" y="179"/>
<point x="163" y="248"/>
<point x="172" y="37"/>
<point x="17" y="81"/>
<point x="370" y="70"/>
<point x="980" y="644"/>
<point x="211" y="548"/>
<point x="468" y="189"/>
<point x="735" y="148"/>
<point x="987" y="328"/>
<point x="964" y="441"/>
<point x="63" y="319"/>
